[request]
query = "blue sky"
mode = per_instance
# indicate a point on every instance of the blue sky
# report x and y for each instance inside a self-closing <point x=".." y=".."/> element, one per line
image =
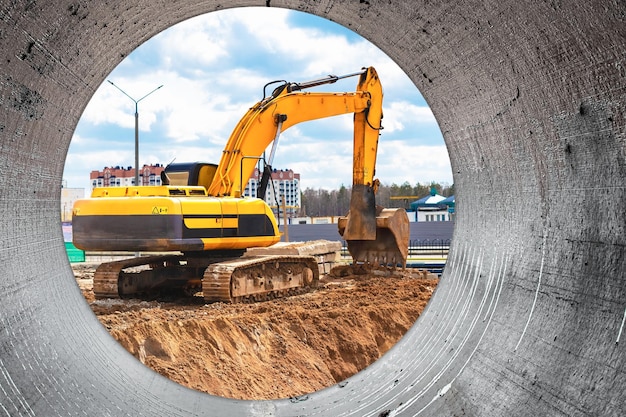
<point x="213" y="68"/>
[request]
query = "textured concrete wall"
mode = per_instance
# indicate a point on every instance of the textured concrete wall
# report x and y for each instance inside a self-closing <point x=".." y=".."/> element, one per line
<point x="529" y="315"/>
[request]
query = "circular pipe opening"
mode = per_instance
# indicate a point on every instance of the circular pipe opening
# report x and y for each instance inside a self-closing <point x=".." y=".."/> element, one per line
<point x="352" y="319"/>
<point x="528" y="319"/>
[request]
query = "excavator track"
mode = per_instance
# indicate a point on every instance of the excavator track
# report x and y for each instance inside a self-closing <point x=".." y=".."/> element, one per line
<point x="110" y="280"/>
<point x="259" y="278"/>
<point x="231" y="280"/>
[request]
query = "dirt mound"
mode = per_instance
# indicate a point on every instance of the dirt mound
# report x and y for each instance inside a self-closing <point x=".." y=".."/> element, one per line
<point x="276" y="349"/>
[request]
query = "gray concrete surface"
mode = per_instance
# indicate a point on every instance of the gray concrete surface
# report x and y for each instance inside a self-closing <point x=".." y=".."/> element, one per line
<point x="528" y="318"/>
<point x="417" y="231"/>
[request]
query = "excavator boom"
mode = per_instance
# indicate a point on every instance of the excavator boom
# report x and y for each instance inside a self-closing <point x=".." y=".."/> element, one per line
<point x="290" y="105"/>
<point x="258" y="129"/>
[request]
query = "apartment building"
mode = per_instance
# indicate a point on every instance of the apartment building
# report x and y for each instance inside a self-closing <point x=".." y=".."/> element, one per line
<point x="123" y="177"/>
<point x="284" y="184"/>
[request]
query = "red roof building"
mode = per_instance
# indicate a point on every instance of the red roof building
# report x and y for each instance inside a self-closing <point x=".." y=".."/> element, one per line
<point x="123" y="177"/>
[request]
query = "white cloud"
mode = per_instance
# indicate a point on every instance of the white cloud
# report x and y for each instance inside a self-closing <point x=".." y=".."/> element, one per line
<point x="214" y="67"/>
<point x="201" y="41"/>
<point x="400" y="114"/>
<point x="109" y="105"/>
<point x="194" y="112"/>
<point x="400" y="161"/>
<point x="328" y="165"/>
<point x="88" y="152"/>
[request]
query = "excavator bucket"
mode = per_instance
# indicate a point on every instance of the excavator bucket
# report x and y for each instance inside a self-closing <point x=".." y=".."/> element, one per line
<point x="390" y="246"/>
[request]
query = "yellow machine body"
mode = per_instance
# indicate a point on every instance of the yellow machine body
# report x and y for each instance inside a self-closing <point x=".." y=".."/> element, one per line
<point x="170" y="218"/>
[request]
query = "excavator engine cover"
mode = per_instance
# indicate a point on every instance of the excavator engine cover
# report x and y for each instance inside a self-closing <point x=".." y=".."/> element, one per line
<point x="391" y="246"/>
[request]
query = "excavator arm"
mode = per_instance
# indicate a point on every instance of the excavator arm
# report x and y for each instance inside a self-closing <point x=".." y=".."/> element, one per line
<point x="288" y="106"/>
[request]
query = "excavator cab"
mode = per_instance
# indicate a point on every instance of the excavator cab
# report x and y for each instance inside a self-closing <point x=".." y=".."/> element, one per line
<point x="188" y="173"/>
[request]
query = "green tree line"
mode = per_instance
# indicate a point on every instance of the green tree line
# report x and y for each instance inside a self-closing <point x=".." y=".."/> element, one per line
<point x="321" y="202"/>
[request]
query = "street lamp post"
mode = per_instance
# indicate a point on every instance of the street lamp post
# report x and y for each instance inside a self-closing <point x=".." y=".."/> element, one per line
<point x="136" y="126"/>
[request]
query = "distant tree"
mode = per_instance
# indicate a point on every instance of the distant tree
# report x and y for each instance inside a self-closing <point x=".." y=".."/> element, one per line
<point x="383" y="196"/>
<point x="310" y="203"/>
<point x="448" y="190"/>
<point x="406" y="189"/>
<point x="326" y="202"/>
<point x="421" y="190"/>
<point x="343" y="200"/>
<point x="321" y="202"/>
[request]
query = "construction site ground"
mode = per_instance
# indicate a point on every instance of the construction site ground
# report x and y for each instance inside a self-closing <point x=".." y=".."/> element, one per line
<point x="274" y="349"/>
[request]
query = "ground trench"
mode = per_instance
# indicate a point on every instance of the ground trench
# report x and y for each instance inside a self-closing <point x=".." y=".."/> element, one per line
<point x="281" y="348"/>
<point x="528" y="317"/>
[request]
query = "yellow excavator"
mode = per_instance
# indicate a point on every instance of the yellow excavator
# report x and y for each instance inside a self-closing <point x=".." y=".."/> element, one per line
<point x="200" y="217"/>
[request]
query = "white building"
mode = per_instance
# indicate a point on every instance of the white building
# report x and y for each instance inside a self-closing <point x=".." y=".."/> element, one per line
<point x="68" y="197"/>
<point x="434" y="208"/>
<point x="285" y="184"/>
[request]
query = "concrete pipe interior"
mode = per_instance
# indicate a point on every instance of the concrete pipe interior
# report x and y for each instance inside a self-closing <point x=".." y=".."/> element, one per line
<point x="529" y="316"/>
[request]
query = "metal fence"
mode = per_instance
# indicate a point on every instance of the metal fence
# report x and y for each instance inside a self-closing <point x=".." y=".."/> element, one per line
<point x="425" y="247"/>
<point x="418" y="247"/>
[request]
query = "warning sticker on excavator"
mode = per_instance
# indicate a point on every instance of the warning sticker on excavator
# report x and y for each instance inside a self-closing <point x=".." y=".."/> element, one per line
<point x="159" y="210"/>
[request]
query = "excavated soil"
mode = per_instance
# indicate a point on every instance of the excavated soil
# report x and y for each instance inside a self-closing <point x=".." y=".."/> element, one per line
<point x="274" y="349"/>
